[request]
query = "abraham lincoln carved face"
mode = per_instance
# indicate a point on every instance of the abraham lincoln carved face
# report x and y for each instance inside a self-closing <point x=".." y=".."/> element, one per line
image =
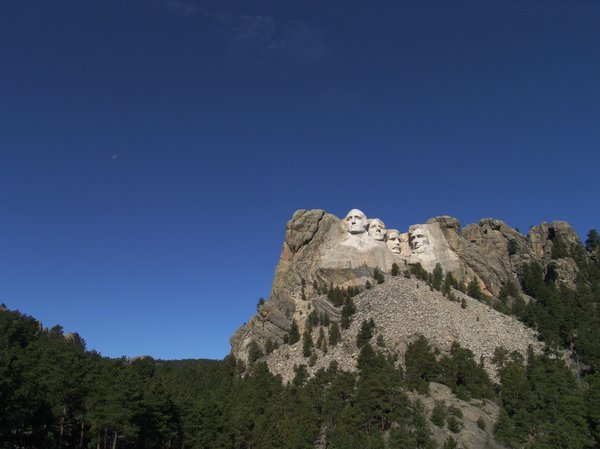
<point x="419" y="240"/>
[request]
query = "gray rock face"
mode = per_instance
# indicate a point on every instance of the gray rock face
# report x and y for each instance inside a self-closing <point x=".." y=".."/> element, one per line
<point x="317" y="248"/>
<point x="320" y="249"/>
<point x="556" y="237"/>
<point x="403" y="309"/>
<point x="304" y="234"/>
<point x="493" y="251"/>
<point x="552" y="245"/>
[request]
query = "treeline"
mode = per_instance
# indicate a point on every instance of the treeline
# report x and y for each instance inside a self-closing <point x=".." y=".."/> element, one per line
<point x="55" y="394"/>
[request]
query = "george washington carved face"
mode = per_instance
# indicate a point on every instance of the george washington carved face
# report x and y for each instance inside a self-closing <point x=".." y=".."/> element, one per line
<point x="356" y="222"/>
<point x="377" y="229"/>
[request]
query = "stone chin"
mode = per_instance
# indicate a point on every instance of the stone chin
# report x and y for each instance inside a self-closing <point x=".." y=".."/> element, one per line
<point x="419" y="249"/>
<point x="356" y="222"/>
<point x="377" y="229"/>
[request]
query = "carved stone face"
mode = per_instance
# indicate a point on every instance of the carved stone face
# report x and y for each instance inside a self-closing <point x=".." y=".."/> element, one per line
<point x="377" y="229"/>
<point x="356" y="222"/>
<point x="419" y="240"/>
<point x="393" y="241"/>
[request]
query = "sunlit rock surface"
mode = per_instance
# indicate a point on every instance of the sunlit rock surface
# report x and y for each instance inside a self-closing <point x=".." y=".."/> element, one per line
<point x="322" y="250"/>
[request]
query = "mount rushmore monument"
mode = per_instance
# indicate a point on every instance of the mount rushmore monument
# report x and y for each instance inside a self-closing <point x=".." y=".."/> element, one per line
<point x="322" y="250"/>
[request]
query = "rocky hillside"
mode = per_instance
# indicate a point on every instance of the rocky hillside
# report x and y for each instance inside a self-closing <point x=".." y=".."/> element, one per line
<point x="321" y="251"/>
<point x="402" y="309"/>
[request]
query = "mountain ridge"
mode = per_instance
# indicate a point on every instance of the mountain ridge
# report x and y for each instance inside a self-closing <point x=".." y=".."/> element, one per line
<point x="320" y="250"/>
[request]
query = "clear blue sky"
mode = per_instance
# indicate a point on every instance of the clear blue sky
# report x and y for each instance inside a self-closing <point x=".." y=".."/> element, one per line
<point x="151" y="151"/>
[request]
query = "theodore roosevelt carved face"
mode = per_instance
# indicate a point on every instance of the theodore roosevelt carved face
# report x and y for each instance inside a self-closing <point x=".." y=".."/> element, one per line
<point x="377" y="229"/>
<point x="419" y="240"/>
<point x="393" y="241"/>
<point x="356" y="222"/>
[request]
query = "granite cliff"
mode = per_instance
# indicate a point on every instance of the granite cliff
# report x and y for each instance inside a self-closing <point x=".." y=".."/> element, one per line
<point x="322" y="250"/>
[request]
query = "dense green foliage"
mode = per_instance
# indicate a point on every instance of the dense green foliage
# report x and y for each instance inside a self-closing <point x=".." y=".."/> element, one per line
<point x="542" y="404"/>
<point x="546" y="403"/>
<point x="338" y="295"/>
<point x="564" y="317"/>
<point x="459" y="370"/>
<point x="419" y="272"/>
<point x="55" y="394"/>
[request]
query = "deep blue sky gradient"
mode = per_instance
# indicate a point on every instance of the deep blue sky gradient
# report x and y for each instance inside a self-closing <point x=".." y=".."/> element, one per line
<point x="152" y="151"/>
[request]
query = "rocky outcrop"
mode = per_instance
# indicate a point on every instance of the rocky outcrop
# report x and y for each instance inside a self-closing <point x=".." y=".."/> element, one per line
<point x="322" y="250"/>
<point x="553" y="245"/>
<point x="493" y="251"/>
<point x="304" y="234"/>
<point x="553" y="240"/>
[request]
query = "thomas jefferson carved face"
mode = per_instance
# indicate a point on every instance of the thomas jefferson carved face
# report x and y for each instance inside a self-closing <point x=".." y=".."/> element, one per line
<point x="419" y="240"/>
<point x="393" y="241"/>
<point x="356" y="222"/>
<point x="377" y="229"/>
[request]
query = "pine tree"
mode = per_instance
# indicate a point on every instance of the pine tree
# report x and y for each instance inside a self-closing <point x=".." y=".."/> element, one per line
<point x="593" y="240"/>
<point x="438" y="277"/>
<point x="347" y="311"/>
<point x="395" y="269"/>
<point x="378" y="276"/>
<point x="450" y="443"/>
<point x="421" y="365"/>
<point x="560" y="248"/>
<point x="260" y="303"/>
<point x="270" y="346"/>
<point x="307" y="343"/>
<point x="313" y="318"/>
<point x="334" y="334"/>
<point x="474" y="291"/>
<point x="418" y="270"/>
<point x="438" y="414"/>
<point x="254" y="352"/>
<point x="321" y="344"/>
<point x="365" y="333"/>
<point x="294" y="333"/>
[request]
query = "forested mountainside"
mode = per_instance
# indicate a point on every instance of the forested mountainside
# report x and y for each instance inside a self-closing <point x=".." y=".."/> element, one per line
<point x="56" y="394"/>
